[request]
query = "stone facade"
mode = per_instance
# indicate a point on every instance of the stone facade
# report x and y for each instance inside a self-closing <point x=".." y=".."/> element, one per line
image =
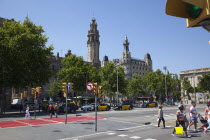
<point x="133" y="65"/>
<point x="93" y="44"/>
<point x="194" y="76"/>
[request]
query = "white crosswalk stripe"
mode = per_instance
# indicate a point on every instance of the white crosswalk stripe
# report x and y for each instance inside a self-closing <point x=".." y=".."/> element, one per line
<point x="122" y="135"/>
<point x="135" y="137"/>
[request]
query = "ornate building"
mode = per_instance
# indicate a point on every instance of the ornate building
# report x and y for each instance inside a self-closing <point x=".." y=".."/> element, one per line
<point x="93" y="44"/>
<point x="194" y="76"/>
<point x="132" y="65"/>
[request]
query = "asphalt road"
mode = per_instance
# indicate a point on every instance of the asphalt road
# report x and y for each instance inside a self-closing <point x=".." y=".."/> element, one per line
<point x="119" y="125"/>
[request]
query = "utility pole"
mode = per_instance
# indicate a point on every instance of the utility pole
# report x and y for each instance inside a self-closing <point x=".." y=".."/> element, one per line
<point x="165" y="68"/>
<point x="194" y="87"/>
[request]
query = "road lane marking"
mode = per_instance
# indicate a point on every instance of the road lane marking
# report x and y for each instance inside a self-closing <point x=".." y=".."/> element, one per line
<point x="149" y="139"/>
<point x="72" y="138"/>
<point x="122" y="135"/>
<point x="111" y="133"/>
<point x="135" y="137"/>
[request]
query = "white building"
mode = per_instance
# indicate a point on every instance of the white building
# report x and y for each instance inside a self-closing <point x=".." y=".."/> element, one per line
<point x="194" y="76"/>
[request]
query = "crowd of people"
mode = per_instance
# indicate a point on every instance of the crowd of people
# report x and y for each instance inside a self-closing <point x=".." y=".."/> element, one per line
<point x="181" y="118"/>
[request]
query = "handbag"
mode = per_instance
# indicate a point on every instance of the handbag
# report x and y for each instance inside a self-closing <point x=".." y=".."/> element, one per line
<point x="179" y="130"/>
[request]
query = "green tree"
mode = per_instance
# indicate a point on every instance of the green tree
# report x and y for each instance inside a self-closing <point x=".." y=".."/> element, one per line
<point x="204" y="83"/>
<point x="186" y="86"/>
<point x="155" y="83"/>
<point x="75" y="70"/>
<point x="108" y="76"/>
<point x="135" y="87"/>
<point x="24" y="57"/>
<point x="55" y="88"/>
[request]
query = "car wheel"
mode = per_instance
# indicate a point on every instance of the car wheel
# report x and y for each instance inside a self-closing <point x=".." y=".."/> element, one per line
<point x="107" y="109"/>
<point x="129" y="108"/>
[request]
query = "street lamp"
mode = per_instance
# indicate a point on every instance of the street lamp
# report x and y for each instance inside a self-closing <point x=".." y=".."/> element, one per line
<point x="116" y="61"/>
<point x="194" y="86"/>
<point x="165" y="68"/>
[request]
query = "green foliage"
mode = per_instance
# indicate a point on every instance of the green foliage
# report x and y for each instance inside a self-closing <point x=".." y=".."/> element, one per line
<point x="24" y="57"/>
<point x="135" y="86"/>
<point x="204" y="83"/>
<point x="108" y="76"/>
<point x="75" y="70"/>
<point x="55" y="88"/>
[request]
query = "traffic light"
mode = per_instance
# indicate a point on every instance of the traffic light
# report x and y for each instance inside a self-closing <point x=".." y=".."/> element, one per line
<point x="95" y="88"/>
<point x="72" y="87"/>
<point x="25" y="94"/>
<point x="64" y="87"/>
<point x="21" y="95"/>
<point x="39" y="90"/>
<point x="196" y="12"/>
<point x="33" y="90"/>
<point x="36" y="95"/>
<point x="100" y="91"/>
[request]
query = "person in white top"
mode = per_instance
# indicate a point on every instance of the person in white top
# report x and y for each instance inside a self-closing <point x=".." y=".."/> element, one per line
<point x="193" y="116"/>
<point x="27" y="112"/>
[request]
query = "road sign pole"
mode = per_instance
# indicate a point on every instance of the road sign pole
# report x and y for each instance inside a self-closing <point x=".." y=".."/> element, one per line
<point x="66" y="110"/>
<point x="95" y="113"/>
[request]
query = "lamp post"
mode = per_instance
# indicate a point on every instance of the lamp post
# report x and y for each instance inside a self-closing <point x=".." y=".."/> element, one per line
<point x="116" y="61"/>
<point x="194" y="87"/>
<point x="165" y="68"/>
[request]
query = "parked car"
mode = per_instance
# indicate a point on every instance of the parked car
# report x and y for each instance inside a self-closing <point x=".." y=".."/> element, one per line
<point x="150" y="104"/>
<point x="124" y="106"/>
<point x="71" y="107"/>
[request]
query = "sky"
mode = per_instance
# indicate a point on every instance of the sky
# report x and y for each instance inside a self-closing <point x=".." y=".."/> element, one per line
<point x="149" y="30"/>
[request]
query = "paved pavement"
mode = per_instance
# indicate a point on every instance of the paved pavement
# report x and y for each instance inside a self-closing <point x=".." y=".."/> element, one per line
<point x="114" y="125"/>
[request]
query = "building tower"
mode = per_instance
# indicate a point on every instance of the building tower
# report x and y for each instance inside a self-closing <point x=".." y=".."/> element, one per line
<point x="148" y="60"/>
<point x="93" y="44"/>
<point x="126" y="53"/>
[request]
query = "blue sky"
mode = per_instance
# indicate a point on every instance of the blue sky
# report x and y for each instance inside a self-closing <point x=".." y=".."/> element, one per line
<point x="148" y="28"/>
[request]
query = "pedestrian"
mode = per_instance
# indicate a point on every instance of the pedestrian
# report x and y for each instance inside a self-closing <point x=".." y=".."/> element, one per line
<point x="181" y="119"/>
<point x="56" y="108"/>
<point x="193" y="116"/>
<point x="27" y="113"/>
<point x="207" y="110"/>
<point x="207" y="117"/>
<point x="51" y="109"/>
<point x="160" y="116"/>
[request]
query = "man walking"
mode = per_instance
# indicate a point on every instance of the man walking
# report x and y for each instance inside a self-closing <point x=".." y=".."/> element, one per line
<point x="51" y="109"/>
<point x="193" y="116"/>
<point x="160" y="116"/>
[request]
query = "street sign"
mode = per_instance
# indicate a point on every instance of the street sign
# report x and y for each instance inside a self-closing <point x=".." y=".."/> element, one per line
<point x="69" y="86"/>
<point x="89" y="86"/>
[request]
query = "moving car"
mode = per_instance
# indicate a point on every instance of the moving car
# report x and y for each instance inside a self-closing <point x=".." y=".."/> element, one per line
<point x="103" y="107"/>
<point x="124" y="106"/>
<point x="89" y="107"/>
<point x="71" y="108"/>
<point x="150" y="104"/>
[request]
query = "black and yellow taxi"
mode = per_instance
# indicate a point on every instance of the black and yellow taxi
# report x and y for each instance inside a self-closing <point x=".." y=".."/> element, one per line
<point x="124" y="106"/>
<point x="103" y="107"/>
<point x="150" y="104"/>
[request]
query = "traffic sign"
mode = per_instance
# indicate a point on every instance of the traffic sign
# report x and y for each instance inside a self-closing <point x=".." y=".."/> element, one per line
<point x="69" y="86"/>
<point x="89" y="86"/>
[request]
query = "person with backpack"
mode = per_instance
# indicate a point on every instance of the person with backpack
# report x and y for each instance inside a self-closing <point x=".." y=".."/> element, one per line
<point x="51" y="109"/>
<point x="181" y="119"/>
<point x="56" y="108"/>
